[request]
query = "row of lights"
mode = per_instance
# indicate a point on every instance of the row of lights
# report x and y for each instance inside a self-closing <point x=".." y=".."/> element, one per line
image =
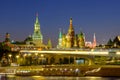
<point x="26" y="55"/>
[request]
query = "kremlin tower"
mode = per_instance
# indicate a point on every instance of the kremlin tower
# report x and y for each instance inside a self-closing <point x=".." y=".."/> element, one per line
<point x="60" y="40"/>
<point x="37" y="35"/>
<point x="94" y="41"/>
<point x="7" y="38"/>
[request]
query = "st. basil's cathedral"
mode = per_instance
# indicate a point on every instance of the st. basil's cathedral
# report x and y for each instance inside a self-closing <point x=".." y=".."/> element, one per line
<point x="72" y="40"/>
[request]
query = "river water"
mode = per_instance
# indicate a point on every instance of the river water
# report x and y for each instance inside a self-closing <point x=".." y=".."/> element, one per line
<point x="57" y="78"/>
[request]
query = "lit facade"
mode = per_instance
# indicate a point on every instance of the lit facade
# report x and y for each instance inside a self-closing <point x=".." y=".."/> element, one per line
<point x="37" y="36"/>
<point x="94" y="41"/>
<point x="7" y="38"/>
<point x="71" y="40"/>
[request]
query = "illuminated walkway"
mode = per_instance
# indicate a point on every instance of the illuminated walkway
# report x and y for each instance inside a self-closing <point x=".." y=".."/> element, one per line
<point x="94" y="53"/>
<point x="72" y="56"/>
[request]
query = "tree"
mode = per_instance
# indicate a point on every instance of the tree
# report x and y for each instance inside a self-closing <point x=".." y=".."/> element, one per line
<point x="110" y="42"/>
<point x="4" y="49"/>
<point x="116" y="41"/>
<point x="49" y="44"/>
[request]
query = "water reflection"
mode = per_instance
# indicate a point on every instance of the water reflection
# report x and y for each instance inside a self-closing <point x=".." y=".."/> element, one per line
<point x="59" y="78"/>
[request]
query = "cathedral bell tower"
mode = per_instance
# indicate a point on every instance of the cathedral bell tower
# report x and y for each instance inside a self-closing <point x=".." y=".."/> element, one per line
<point x="70" y="35"/>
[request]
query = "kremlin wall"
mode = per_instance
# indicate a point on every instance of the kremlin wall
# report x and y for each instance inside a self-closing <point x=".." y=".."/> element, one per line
<point x="65" y="40"/>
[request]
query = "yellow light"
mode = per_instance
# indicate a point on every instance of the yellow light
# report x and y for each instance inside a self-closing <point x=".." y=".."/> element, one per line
<point x="10" y="55"/>
<point x="17" y="56"/>
<point x="25" y="55"/>
<point x="29" y="54"/>
<point x="36" y="54"/>
<point x="42" y="55"/>
<point x="71" y="69"/>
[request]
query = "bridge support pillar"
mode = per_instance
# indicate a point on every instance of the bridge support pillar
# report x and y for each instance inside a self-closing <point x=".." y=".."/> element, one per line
<point x="74" y="59"/>
<point x="48" y="61"/>
<point x="91" y="62"/>
<point x="57" y="59"/>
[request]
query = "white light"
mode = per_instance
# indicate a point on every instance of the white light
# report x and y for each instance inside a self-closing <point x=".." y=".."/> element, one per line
<point x="42" y="55"/>
<point x="70" y="69"/>
<point x="77" y="70"/>
<point x="17" y="56"/>
<point x="65" y="69"/>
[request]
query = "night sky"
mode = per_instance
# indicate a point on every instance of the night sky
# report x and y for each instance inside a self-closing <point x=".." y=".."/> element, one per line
<point x="102" y="17"/>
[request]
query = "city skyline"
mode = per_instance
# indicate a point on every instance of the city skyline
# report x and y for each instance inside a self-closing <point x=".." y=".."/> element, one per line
<point x="100" y="17"/>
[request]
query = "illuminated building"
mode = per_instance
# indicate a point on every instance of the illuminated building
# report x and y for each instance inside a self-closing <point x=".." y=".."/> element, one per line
<point x="88" y="44"/>
<point x="94" y="41"/>
<point x="81" y="40"/>
<point x="37" y="36"/>
<point x="34" y="41"/>
<point x="93" y="44"/>
<point x="70" y="36"/>
<point x="71" y="40"/>
<point x="63" y="41"/>
<point x="60" y="40"/>
<point x="49" y="45"/>
<point x="116" y="42"/>
<point x="7" y="38"/>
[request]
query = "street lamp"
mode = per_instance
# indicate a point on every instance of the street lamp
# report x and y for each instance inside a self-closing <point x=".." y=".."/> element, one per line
<point x="17" y="58"/>
<point x="24" y="59"/>
<point x="25" y="55"/>
<point x="10" y="55"/>
<point x="10" y="58"/>
<point x="42" y="58"/>
<point x="36" y="54"/>
<point x="29" y="54"/>
<point x="36" y="58"/>
<point x="42" y="55"/>
<point x="29" y="59"/>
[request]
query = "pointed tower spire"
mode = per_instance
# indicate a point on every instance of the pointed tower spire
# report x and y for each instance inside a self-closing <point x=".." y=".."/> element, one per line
<point x="37" y="14"/>
<point x="49" y="43"/>
<point x="81" y="39"/>
<point x="60" y="39"/>
<point x="71" y="22"/>
<point x="94" y="41"/>
<point x="70" y="35"/>
<point x="37" y="21"/>
<point x="60" y="33"/>
<point x="7" y="37"/>
<point x="71" y="26"/>
<point x="37" y="35"/>
<point x="37" y="25"/>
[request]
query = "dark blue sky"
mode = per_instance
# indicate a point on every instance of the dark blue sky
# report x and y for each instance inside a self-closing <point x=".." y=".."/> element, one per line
<point x="102" y="17"/>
